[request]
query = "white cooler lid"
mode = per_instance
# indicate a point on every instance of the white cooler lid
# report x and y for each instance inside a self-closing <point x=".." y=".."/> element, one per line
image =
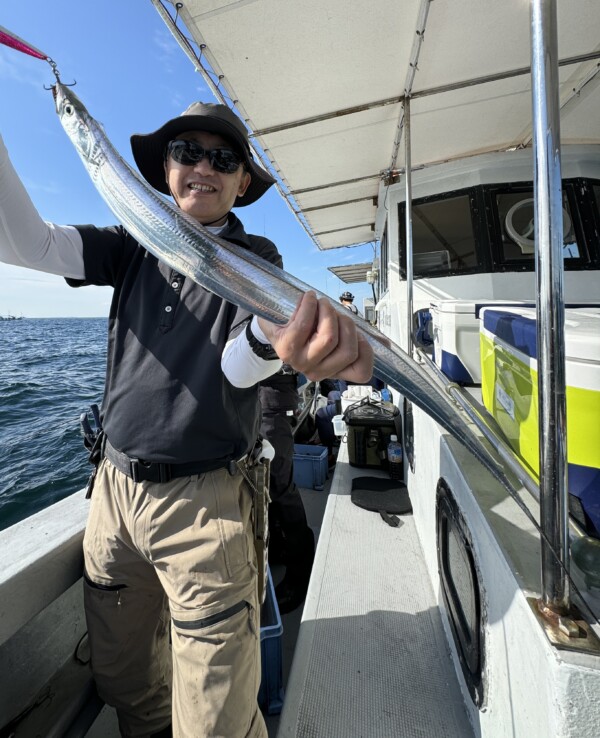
<point x="470" y="307"/>
<point x="582" y="330"/>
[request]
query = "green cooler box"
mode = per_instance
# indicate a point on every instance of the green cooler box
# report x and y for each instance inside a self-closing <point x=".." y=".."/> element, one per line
<point x="509" y="389"/>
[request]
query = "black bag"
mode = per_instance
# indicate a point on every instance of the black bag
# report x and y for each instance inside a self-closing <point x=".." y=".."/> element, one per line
<point x="370" y="424"/>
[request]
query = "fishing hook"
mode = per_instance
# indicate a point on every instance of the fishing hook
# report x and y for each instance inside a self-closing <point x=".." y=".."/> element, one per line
<point x="56" y="73"/>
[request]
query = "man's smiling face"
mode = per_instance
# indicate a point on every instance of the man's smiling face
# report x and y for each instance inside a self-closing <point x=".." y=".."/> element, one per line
<point x="198" y="189"/>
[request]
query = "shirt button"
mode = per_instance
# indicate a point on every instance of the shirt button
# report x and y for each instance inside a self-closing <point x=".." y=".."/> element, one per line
<point x="174" y="285"/>
<point x="168" y="309"/>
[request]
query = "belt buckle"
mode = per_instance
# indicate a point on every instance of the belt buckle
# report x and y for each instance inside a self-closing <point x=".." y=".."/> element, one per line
<point x="133" y="467"/>
<point x="148" y="471"/>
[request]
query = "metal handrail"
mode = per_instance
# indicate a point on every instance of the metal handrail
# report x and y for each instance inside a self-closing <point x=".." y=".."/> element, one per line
<point x="550" y="305"/>
<point x="408" y="224"/>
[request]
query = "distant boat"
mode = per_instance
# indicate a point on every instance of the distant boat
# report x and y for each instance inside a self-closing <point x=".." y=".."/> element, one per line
<point x="11" y="317"/>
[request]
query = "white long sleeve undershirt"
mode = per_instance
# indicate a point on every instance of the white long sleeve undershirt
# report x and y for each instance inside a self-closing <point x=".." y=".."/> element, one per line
<point x="28" y="241"/>
<point x="241" y="365"/>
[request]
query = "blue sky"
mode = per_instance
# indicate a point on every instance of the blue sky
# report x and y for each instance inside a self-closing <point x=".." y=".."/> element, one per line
<point x="132" y="76"/>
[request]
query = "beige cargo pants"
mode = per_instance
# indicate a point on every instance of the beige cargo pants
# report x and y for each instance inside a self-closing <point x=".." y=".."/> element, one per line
<point x="179" y="553"/>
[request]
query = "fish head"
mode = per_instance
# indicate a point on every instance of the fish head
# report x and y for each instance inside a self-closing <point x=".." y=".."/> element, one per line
<point x="74" y="118"/>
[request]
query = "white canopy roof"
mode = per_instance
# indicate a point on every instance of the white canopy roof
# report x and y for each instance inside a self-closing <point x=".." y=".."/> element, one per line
<point x="321" y="86"/>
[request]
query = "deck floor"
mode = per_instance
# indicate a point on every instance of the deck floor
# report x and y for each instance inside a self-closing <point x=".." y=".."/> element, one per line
<point x="371" y="658"/>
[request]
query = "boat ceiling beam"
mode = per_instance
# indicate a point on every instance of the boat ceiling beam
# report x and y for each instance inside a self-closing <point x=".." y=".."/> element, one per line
<point x="579" y="59"/>
<point x="413" y="66"/>
<point x="347" y="228"/>
<point x="335" y="184"/>
<point x="341" y="204"/>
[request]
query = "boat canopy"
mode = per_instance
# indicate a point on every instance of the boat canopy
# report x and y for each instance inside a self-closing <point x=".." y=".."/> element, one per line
<point x="350" y="273"/>
<point x="321" y="86"/>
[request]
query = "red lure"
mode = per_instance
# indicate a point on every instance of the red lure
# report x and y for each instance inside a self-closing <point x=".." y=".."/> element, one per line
<point x="9" y="39"/>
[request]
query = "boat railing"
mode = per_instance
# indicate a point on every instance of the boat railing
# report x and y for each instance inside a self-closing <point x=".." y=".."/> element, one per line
<point x="43" y="641"/>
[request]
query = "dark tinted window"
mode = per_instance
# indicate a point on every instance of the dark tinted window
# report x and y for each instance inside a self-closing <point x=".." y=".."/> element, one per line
<point x="384" y="256"/>
<point x="515" y="218"/>
<point x="443" y="237"/>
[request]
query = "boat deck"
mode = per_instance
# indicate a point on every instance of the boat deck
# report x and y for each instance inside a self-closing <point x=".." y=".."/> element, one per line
<point x="371" y="658"/>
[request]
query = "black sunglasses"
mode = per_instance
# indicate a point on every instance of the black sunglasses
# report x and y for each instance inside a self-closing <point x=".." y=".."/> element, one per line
<point x="190" y="153"/>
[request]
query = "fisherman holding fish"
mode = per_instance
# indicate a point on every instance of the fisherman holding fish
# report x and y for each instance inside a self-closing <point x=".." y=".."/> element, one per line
<point x="170" y="535"/>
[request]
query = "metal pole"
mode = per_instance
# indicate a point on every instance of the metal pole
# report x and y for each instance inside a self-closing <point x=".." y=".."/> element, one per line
<point x="408" y="223"/>
<point x="550" y="302"/>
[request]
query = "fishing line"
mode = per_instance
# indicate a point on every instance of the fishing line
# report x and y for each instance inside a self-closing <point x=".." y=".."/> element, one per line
<point x="10" y="39"/>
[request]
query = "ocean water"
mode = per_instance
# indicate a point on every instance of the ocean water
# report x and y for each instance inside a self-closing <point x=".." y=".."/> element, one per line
<point x="51" y="370"/>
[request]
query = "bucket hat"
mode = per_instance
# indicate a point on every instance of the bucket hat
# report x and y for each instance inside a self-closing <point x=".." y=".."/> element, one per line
<point x="149" y="148"/>
<point x="347" y="296"/>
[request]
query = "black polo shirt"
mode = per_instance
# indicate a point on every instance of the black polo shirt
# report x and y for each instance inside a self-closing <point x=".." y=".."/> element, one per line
<point x="166" y="398"/>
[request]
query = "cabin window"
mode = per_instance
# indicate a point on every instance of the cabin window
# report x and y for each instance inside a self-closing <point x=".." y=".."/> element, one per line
<point x="596" y="191"/>
<point x="460" y="589"/>
<point x="383" y="261"/>
<point x="514" y="208"/>
<point x="443" y="236"/>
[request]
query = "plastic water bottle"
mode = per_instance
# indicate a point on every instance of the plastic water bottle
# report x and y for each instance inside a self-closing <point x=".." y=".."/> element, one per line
<point x="395" y="459"/>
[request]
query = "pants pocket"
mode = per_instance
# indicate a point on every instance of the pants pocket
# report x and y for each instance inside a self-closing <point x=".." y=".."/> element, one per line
<point x="216" y="659"/>
<point x="233" y="504"/>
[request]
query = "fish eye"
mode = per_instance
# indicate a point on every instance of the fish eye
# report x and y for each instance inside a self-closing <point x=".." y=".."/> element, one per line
<point x="69" y="109"/>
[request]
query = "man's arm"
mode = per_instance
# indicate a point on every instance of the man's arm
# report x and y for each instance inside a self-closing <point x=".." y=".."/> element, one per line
<point x="321" y="342"/>
<point x="248" y="358"/>
<point x="25" y="239"/>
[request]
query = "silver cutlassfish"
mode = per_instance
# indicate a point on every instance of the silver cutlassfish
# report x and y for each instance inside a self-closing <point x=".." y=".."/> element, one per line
<point x="235" y="274"/>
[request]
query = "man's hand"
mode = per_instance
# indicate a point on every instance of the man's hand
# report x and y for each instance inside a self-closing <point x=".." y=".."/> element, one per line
<point x="320" y="342"/>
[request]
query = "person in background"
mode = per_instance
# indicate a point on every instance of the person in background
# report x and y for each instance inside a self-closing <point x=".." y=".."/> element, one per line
<point x="292" y="540"/>
<point x="169" y="543"/>
<point x="347" y="300"/>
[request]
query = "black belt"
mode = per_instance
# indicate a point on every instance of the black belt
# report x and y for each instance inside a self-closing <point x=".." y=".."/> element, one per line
<point x="156" y="471"/>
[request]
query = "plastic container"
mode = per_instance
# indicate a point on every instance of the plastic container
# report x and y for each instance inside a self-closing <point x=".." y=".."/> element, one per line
<point x="355" y="393"/>
<point x="395" y="458"/>
<point x="270" y="694"/>
<point x="310" y="466"/>
<point x="339" y="427"/>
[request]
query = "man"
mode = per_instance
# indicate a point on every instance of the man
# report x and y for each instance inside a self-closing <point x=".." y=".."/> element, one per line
<point x="169" y="535"/>
<point x="292" y="540"/>
<point x="347" y="300"/>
